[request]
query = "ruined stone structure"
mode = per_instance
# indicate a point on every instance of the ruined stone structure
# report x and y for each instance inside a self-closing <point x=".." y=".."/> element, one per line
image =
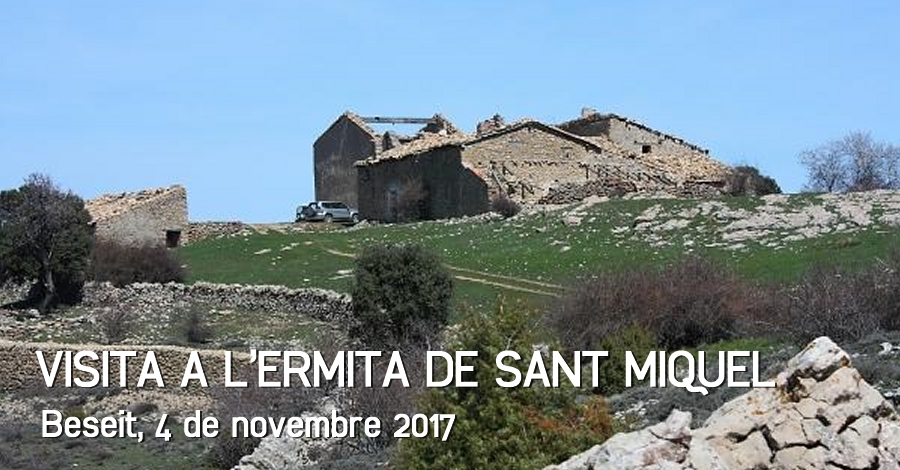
<point x="629" y="134"/>
<point x="673" y="155"/>
<point x="350" y="138"/>
<point x="433" y="174"/>
<point x="153" y="216"/>
<point x="431" y="184"/>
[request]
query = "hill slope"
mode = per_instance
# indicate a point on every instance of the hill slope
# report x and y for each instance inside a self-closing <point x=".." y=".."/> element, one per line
<point x="540" y="252"/>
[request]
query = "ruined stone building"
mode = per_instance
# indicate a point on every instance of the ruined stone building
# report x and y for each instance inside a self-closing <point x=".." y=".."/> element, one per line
<point x="351" y="138"/>
<point x="449" y="173"/>
<point x="153" y="216"/>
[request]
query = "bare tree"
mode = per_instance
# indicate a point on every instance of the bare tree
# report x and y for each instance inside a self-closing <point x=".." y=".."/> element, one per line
<point x="45" y="238"/>
<point x="854" y="163"/>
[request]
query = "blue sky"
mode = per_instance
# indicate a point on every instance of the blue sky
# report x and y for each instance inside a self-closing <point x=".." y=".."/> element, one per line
<point x="227" y="97"/>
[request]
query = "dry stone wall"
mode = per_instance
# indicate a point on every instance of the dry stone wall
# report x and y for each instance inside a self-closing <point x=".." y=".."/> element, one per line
<point x="21" y="370"/>
<point x="319" y="304"/>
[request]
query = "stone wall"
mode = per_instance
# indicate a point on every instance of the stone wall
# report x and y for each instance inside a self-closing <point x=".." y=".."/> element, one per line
<point x="320" y="304"/>
<point x="632" y="136"/>
<point x="532" y="164"/>
<point x="334" y="154"/>
<point x="432" y="185"/>
<point x="21" y="370"/>
<point x="157" y="216"/>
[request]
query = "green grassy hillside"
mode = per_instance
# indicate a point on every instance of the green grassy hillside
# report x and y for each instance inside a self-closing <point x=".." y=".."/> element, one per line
<point x="537" y="255"/>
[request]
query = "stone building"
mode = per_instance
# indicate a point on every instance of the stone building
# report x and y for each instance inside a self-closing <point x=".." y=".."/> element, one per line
<point x="433" y="174"/>
<point x="351" y="138"/>
<point x="673" y="155"/>
<point x="630" y="135"/>
<point x="153" y="216"/>
<point x="458" y="175"/>
<point x="427" y="183"/>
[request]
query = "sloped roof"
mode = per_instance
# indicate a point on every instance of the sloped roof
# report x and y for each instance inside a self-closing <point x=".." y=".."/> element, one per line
<point x="428" y="143"/>
<point x="357" y="120"/>
<point x="604" y="116"/>
<point x="110" y="205"/>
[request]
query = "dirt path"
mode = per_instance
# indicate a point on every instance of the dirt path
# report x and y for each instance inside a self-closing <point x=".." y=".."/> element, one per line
<point x="505" y="286"/>
<point x="481" y="279"/>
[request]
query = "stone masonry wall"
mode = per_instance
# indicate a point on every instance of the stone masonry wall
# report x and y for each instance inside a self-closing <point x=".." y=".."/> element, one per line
<point x="530" y="164"/>
<point x="320" y="304"/>
<point x="21" y="370"/>
<point x="633" y="137"/>
<point x="142" y="221"/>
<point x="434" y="185"/>
<point x="334" y="154"/>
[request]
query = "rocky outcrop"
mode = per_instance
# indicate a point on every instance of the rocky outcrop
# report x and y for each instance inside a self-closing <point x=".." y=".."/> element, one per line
<point x="279" y="453"/>
<point x="820" y="415"/>
<point x="198" y="231"/>
<point x="771" y="221"/>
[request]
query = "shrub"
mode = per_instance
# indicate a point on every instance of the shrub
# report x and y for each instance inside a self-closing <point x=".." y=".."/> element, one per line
<point x="690" y="302"/>
<point x="401" y="296"/>
<point x="634" y="338"/>
<point x="747" y="180"/>
<point x="125" y="264"/>
<point x="386" y="403"/>
<point x="505" y="206"/>
<point x="521" y="427"/>
<point x="194" y="327"/>
<point x="226" y="451"/>
<point x="842" y="304"/>
<point x="114" y="324"/>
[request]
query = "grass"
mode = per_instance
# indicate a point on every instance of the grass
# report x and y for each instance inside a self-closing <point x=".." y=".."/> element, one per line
<point x="22" y="447"/>
<point x="532" y="256"/>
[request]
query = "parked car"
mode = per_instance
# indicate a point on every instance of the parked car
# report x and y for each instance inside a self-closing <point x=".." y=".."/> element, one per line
<point x="327" y="211"/>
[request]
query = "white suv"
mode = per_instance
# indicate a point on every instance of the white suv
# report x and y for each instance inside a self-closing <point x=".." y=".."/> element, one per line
<point x="327" y="211"/>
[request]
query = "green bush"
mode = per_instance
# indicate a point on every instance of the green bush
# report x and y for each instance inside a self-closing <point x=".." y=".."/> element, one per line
<point x="401" y="296"/>
<point x="520" y="428"/>
<point x="747" y="180"/>
<point x="634" y="338"/>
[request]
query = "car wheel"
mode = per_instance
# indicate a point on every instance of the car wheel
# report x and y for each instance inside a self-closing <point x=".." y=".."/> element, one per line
<point x="328" y="218"/>
<point x="354" y="219"/>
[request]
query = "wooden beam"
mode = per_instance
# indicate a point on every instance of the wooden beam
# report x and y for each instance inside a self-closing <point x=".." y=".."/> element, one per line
<point x="396" y="120"/>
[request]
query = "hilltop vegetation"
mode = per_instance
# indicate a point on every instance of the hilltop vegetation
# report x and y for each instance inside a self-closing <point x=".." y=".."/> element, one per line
<point x="537" y="254"/>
